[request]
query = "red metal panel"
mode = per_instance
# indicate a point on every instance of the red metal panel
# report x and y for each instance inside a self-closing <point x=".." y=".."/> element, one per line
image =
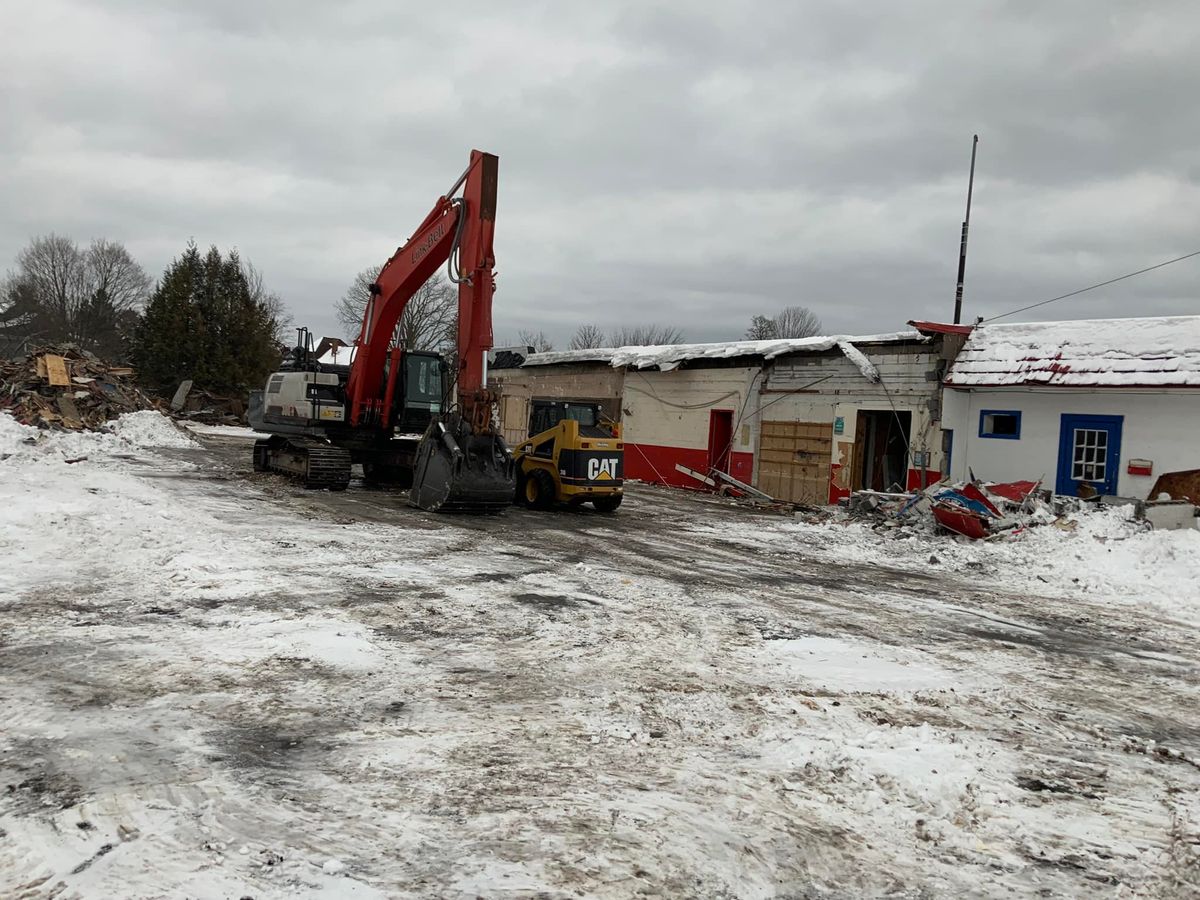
<point x="656" y="464"/>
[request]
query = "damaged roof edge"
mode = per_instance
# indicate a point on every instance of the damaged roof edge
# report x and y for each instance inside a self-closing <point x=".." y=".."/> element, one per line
<point x="667" y="357"/>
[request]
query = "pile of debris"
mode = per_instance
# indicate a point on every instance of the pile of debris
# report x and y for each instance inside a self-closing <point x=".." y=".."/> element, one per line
<point x="974" y="509"/>
<point x="998" y="511"/>
<point x="65" y="388"/>
<point x="198" y="405"/>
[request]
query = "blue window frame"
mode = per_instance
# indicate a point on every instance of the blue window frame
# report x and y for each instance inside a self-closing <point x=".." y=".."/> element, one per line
<point x="1004" y="424"/>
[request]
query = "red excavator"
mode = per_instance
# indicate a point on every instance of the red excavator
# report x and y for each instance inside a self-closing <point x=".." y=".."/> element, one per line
<point x="323" y="416"/>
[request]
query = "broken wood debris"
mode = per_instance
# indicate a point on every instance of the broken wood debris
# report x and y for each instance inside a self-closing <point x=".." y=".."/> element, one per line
<point x="723" y="483"/>
<point x="68" y="389"/>
<point x="198" y="405"/>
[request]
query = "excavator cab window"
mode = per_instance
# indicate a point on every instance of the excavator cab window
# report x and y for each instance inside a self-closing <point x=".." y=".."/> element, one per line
<point x="425" y="381"/>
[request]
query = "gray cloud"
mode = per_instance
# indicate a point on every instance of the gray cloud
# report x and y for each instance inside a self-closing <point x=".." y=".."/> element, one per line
<point x="685" y="163"/>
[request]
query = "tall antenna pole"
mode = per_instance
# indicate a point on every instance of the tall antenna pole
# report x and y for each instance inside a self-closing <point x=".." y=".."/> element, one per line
<point x="962" y="249"/>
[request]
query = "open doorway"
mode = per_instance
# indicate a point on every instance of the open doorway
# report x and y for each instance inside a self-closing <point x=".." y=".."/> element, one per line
<point x="720" y="438"/>
<point x="881" y="450"/>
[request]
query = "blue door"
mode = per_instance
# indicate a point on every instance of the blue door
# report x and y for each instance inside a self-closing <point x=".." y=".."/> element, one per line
<point x="1089" y="450"/>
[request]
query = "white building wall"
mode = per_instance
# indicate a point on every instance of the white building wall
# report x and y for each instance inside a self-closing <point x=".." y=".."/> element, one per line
<point x="671" y="409"/>
<point x="1159" y="425"/>
<point x="841" y="391"/>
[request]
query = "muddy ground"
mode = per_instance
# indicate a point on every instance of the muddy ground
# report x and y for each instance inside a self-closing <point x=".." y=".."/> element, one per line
<point x="572" y="704"/>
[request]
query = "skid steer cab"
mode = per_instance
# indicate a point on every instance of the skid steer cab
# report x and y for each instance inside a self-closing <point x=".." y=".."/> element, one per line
<point x="573" y="455"/>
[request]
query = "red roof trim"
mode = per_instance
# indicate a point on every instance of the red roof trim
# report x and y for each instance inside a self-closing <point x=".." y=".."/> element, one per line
<point x="940" y="328"/>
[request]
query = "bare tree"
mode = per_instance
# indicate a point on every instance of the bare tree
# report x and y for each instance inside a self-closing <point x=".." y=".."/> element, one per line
<point x="535" y="339"/>
<point x="645" y="335"/>
<point x="587" y="337"/>
<point x="111" y="269"/>
<point x="762" y="328"/>
<point x="430" y="320"/>
<point x="87" y="297"/>
<point x="797" y="322"/>
<point x="350" y="308"/>
<point x="270" y="301"/>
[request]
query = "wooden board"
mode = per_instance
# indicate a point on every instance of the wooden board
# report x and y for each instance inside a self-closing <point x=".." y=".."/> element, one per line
<point x="794" y="461"/>
<point x="514" y="418"/>
<point x="70" y="413"/>
<point x="56" y="367"/>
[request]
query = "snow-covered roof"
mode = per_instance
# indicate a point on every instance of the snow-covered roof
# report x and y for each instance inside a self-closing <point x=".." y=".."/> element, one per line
<point x="1150" y="352"/>
<point x="669" y="356"/>
<point x="338" y="356"/>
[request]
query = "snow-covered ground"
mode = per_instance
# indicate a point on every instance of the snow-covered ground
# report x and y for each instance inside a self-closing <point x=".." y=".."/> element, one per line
<point x="233" y="432"/>
<point x="216" y="685"/>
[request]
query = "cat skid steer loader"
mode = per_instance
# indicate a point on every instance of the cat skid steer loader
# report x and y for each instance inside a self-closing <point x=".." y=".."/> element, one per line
<point x="573" y="455"/>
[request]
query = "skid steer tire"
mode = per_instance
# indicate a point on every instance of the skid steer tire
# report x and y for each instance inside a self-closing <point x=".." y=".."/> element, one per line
<point x="538" y="490"/>
<point x="608" y="504"/>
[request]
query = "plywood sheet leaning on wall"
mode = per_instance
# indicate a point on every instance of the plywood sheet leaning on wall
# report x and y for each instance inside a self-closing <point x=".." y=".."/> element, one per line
<point x="794" y="461"/>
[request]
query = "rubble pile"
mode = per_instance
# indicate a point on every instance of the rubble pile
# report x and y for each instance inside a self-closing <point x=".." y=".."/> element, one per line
<point x="198" y="405"/>
<point x="68" y="389"/>
<point x="974" y="509"/>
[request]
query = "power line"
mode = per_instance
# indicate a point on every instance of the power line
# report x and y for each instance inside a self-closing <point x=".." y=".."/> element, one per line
<point x="1094" y="286"/>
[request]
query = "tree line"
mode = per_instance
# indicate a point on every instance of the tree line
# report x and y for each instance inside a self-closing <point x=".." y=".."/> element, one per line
<point x="791" y="322"/>
<point x="210" y="317"/>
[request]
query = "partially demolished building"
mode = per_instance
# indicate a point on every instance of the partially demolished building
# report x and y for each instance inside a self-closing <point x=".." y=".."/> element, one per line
<point x="807" y="420"/>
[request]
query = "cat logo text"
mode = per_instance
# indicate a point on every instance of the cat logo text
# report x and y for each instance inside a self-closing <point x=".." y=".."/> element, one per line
<point x="601" y="469"/>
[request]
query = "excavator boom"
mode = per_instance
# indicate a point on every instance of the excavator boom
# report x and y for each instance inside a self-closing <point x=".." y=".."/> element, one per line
<point x="462" y="462"/>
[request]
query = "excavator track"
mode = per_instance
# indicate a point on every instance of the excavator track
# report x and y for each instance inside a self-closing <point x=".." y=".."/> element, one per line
<point x="317" y="465"/>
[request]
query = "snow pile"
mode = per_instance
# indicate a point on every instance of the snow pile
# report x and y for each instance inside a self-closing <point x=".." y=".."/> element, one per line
<point x="148" y="428"/>
<point x="1163" y="350"/>
<point x="141" y="430"/>
<point x="668" y="356"/>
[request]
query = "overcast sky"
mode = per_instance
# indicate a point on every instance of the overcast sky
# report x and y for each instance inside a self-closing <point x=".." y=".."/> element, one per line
<point x="689" y="163"/>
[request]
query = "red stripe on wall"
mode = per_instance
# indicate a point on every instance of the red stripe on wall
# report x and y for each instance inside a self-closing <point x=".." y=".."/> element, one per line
<point x="655" y="464"/>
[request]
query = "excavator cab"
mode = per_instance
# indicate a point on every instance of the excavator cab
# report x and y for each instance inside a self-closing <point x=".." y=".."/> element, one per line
<point x="423" y="389"/>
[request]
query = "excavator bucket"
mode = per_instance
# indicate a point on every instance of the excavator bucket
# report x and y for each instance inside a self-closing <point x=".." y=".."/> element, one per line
<point x="459" y="471"/>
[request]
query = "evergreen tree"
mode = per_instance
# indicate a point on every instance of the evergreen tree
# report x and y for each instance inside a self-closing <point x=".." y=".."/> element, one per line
<point x="203" y="322"/>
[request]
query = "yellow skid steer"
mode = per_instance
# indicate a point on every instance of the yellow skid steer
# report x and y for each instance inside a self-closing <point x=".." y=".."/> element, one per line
<point x="573" y="455"/>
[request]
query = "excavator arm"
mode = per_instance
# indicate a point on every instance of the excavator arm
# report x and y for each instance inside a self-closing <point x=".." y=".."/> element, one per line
<point x="458" y="230"/>
<point x="461" y="462"/>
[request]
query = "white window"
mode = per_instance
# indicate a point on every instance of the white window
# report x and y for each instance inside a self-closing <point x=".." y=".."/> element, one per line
<point x="1090" y="459"/>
